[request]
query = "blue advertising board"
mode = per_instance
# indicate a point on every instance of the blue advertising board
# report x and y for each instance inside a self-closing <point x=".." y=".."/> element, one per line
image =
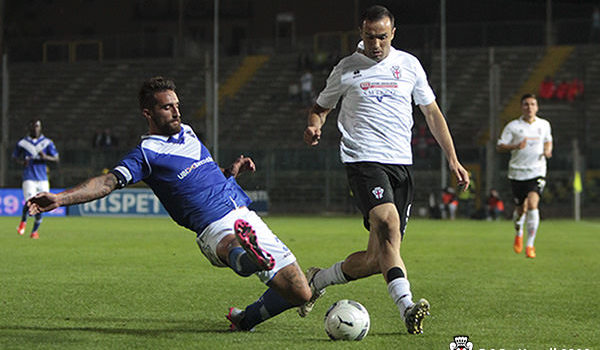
<point x="143" y="202"/>
<point x="12" y="201"/>
<point x="125" y="202"/>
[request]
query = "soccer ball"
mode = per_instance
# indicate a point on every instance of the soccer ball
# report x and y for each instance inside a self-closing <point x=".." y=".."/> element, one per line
<point x="347" y="320"/>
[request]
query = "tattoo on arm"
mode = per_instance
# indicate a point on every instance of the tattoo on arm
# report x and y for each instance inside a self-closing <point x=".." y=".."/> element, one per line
<point x="89" y="190"/>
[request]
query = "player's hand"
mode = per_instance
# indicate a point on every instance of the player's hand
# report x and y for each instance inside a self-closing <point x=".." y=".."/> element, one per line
<point x="240" y="165"/>
<point x="462" y="176"/>
<point x="42" y="202"/>
<point x="42" y="155"/>
<point x="522" y="144"/>
<point x="312" y="135"/>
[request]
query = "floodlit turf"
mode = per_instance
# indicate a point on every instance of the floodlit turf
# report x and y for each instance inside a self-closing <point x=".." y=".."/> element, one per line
<point x="108" y="283"/>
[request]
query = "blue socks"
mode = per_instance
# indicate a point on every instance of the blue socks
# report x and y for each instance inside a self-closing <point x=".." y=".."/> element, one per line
<point x="240" y="263"/>
<point x="24" y="213"/>
<point x="268" y="305"/>
<point x="37" y="223"/>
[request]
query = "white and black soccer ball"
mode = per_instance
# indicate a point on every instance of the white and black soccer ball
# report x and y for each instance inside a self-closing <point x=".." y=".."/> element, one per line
<point x="347" y="320"/>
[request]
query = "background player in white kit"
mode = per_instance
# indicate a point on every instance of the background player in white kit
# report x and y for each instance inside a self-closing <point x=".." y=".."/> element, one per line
<point x="203" y="198"/>
<point x="529" y="140"/>
<point x="33" y="152"/>
<point x="378" y="84"/>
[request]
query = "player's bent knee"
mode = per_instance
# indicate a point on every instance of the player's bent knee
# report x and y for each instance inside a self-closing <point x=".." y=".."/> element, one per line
<point x="291" y="283"/>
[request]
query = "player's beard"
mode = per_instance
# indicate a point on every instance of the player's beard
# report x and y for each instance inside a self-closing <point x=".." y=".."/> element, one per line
<point x="170" y="127"/>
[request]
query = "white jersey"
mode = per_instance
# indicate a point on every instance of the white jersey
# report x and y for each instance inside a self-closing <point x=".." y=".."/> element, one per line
<point x="376" y="113"/>
<point x="529" y="162"/>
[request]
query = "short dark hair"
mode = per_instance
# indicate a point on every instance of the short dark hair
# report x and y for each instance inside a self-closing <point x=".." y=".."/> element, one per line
<point x="32" y="122"/>
<point x="376" y="13"/>
<point x="526" y="96"/>
<point x="152" y="86"/>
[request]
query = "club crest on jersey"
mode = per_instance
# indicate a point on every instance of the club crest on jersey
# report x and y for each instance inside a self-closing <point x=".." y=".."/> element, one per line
<point x="365" y="85"/>
<point x="396" y="72"/>
<point x="377" y="192"/>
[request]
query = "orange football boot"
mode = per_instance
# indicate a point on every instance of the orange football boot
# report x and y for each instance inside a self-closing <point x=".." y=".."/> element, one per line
<point x="21" y="228"/>
<point x="518" y="245"/>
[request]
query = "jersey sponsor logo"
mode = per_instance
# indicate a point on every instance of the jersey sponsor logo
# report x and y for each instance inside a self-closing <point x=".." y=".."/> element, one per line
<point x="396" y="72"/>
<point x="377" y="192"/>
<point x="379" y="90"/>
<point x="378" y="85"/>
<point x="380" y="97"/>
<point x="185" y="172"/>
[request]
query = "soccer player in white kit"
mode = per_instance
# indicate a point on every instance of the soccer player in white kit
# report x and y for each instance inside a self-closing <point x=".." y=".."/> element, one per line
<point x="200" y="196"/>
<point x="378" y="84"/>
<point x="529" y="141"/>
<point x="33" y="152"/>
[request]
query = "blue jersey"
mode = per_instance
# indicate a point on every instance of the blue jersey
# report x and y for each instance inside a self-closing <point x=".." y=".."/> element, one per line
<point x="29" y="148"/>
<point x="181" y="172"/>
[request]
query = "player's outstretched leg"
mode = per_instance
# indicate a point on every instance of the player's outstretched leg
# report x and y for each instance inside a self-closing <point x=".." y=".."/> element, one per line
<point x="287" y="289"/>
<point x="304" y="310"/>
<point x="235" y="316"/>
<point x="246" y="236"/>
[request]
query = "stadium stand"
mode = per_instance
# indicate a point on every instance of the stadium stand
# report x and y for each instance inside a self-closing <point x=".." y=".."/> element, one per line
<point x="257" y="117"/>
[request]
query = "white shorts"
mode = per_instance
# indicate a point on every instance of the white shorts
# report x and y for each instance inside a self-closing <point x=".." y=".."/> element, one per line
<point x="211" y="236"/>
<point x="33" y="187"/>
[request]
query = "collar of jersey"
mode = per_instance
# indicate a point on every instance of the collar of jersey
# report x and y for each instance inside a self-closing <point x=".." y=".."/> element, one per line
<point x="362" y="53"/>
<point x="35" y="141"/>
<point x="168" y="139"/>
<point x="526" y="122"/>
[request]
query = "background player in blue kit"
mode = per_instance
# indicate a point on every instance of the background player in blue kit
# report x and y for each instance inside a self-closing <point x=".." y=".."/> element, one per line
<point x="33" y="152"/>
<point x="202" y="197"/>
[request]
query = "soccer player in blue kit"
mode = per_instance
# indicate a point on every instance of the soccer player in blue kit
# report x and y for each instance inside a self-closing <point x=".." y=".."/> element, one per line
<point x="202" y="197"/>
<point x="33" y="152"/>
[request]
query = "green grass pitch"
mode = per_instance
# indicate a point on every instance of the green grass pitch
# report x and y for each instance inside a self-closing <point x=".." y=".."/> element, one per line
<point x="142" y="283"/>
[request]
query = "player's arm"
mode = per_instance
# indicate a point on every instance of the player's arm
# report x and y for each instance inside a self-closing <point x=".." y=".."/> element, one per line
<point x="316" y="119"/>
<point x="439" y="129"/>
<point x="240" y="165"/>
<point x="504" y="147"/>
<point x="49" y="158"/>
<point x="94" y="188"/>
<point x="548" y="149"/>
<point x="21" y="161"/>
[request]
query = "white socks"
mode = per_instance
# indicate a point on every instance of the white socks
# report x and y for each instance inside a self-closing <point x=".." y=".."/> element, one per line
<point x="533" y="222"/>
<point x="329" y="276"/>
<point x="399" y="290"/>
<point x="518" y="220"/>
